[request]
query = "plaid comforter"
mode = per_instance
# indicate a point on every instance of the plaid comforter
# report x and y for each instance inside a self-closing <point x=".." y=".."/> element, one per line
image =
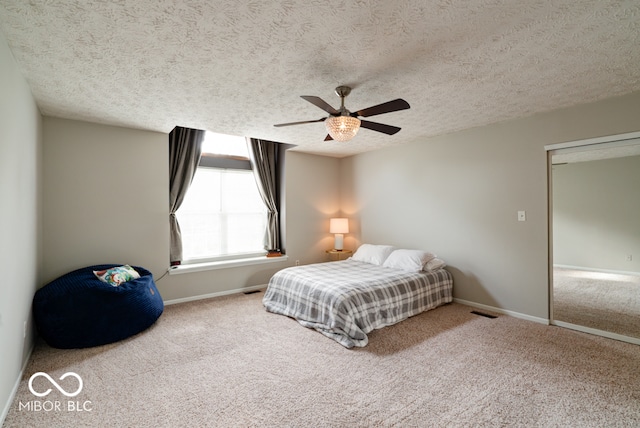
<point x="345" y="300"/>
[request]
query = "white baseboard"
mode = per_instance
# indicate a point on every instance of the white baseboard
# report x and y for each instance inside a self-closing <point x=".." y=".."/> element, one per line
<point x="14" y="391"/>
<point x="503" y="311"/>
<point x="216" y="294"/>
<point x="583" y="329"/>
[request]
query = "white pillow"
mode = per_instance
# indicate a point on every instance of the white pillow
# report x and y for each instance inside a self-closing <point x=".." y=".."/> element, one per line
<point x="409" y="260"/>
<point x="434" y="264"/>
<point x="374" y="254"/>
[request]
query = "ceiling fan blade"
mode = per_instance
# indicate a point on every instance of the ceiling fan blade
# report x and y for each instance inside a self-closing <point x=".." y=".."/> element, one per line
<point x="380" y="127"/>
<point x="328" y="138"/>
<point x="300" y="123"/>
<point x="388" y="107"/>
<point x="319" y="102"/>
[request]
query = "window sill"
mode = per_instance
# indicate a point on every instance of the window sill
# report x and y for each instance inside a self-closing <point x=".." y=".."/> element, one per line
<point x="199" y="267"/>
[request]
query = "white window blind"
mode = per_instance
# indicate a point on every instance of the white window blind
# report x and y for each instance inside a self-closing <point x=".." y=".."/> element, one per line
<point x="222" y="215"/>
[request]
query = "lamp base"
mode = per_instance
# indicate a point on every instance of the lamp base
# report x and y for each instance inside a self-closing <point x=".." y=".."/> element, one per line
<point x="338" y="244"/>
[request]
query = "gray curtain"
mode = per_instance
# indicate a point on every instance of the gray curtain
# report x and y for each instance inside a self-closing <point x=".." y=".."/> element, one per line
<point x="185" y="146"/>
<point x="265" y="157"/>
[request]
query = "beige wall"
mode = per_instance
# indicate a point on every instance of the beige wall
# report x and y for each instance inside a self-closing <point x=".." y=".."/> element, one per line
<point x="20" y="220"/>
<point x="596" y="208"/>
<point x="458" y="196"/>
<point x="312" y="198"/>
<point x="105" y="193"/>
<point x="106" y="201"/>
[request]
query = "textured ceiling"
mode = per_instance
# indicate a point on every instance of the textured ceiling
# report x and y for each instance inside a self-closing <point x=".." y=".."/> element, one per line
<point x="240" y="66"/>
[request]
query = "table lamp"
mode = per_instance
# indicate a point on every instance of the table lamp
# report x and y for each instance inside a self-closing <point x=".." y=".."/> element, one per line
<point x="338" y="226"/>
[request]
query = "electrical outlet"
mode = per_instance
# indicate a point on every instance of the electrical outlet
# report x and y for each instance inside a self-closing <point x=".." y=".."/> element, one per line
<point x="629" y="257"/>
<point x="24" y="330"/>
<point x="297" y="262"/>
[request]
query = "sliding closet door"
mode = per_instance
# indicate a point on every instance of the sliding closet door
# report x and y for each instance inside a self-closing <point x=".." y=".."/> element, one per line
<point x="595" y="237"/>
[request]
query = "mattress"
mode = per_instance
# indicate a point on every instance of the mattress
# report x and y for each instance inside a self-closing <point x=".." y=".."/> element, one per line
<point x="347" y="299"/>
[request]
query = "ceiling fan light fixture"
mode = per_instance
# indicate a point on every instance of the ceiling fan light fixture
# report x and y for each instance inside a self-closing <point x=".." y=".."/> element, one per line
<point x="342" y="128"/>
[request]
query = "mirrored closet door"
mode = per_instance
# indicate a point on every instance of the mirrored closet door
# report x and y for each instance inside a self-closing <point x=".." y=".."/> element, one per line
<point x="595" y="234"/>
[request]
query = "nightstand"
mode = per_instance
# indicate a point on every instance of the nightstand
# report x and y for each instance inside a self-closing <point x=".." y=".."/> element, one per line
<point x="335" y="255"/>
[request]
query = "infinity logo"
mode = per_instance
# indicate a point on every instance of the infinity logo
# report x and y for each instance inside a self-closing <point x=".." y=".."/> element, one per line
<point x="54" y="383"/>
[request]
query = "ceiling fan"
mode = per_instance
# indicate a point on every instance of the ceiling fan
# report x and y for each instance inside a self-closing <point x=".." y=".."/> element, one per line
<point x="342" y="125"/>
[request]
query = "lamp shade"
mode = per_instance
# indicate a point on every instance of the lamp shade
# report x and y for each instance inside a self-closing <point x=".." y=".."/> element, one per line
<point x="342" y="128"/>
<point x="339" y="225"/>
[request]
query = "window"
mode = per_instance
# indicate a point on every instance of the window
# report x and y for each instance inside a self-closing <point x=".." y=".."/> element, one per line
<point x="222" y="215"/>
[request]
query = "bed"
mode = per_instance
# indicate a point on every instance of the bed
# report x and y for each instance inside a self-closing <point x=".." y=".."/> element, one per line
<point x="345" y="300"/>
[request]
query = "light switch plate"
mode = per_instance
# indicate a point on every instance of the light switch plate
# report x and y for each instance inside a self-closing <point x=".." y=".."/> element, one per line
<point x="522" y="216"/>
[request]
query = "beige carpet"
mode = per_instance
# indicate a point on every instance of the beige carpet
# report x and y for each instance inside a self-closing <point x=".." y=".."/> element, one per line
<point x="604" y="301"/>
<point x="226" y="362"/>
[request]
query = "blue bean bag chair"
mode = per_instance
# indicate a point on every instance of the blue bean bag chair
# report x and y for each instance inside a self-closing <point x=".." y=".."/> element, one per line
<point x="78" y="310"/>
